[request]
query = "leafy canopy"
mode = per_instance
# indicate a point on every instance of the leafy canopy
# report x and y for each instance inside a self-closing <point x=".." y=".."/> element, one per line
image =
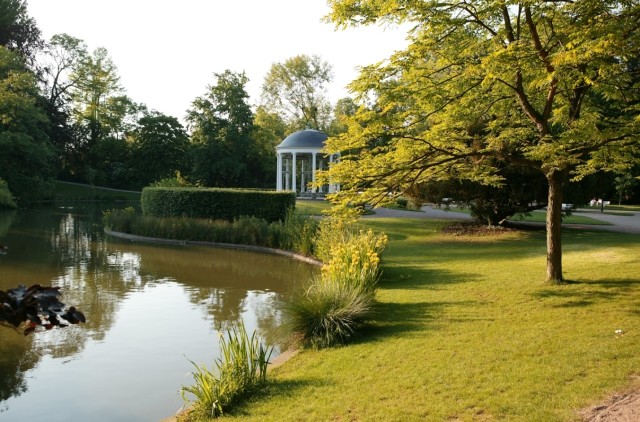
<point x="547" y="85"/>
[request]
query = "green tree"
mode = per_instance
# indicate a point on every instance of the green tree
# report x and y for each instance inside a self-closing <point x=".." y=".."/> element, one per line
<point x="159" y="147"/>
<point x="18" y="31"/>
<point x="103" y="115"/>
<point x="344" y="109"/>
<point x="270" y="130"/>
<point x="61" y="55"/>
<point x="548" y="85"/>
<point x="296" y="90"/>
<point x="625" y="184"/>
<point x="26" y="155"/>
<point x="221" y="124"/>
<point x="96" y="81"/>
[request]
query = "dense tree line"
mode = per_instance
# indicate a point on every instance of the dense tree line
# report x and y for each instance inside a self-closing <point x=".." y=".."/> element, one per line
<point x="65" y="115"/>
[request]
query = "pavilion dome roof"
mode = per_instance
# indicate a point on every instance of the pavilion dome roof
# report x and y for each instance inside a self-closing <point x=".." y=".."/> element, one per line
<point x="307" y="138"/>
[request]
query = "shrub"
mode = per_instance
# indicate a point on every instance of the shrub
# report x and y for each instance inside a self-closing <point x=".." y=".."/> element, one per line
<point x="171" y="182"/>
<point x="327" y="313"/>
<point x="350" y="255"/>
<point x="6" y="198"/>
<point x="119" y="220"/>
<point x="213" y="203"/>
<point x="402" y="202"/>
<point x="241" y="368"/>
<point x="335" y="304"/>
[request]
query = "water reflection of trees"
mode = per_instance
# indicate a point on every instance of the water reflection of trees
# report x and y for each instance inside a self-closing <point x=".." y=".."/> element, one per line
<point x="220" y="281"/>
<point x="67" y="248"/>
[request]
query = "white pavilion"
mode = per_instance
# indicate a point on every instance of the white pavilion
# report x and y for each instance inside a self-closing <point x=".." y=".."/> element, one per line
<point x="300" y="156"/>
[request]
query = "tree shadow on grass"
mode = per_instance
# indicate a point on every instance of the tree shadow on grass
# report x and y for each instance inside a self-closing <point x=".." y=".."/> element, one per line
<point x="274" y="389"/>
<point x="390" y="319"/>
<point x="411" y="277"/>
<point x="576" y="294"/>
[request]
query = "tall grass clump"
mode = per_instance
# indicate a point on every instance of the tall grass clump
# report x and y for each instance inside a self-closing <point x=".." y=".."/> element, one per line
<point x="326" y="314"/>
<point x="330" y="309"/>
<point x="240" y="370"/>
<point x="299" y="232"/>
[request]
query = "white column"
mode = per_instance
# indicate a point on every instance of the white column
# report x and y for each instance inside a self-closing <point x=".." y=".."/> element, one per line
<point x="303" y="185"/>
<point x="293" y="173"/>
<point x="313" y="171"/>
<point x="279" y="173"/>
<point x="287" y="175"/>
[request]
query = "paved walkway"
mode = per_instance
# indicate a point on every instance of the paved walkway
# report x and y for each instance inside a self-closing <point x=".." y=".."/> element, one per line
<point x="619" y="223"/>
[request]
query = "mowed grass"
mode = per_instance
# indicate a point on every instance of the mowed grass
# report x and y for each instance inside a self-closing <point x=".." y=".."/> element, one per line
<point x="312" y="206"/>
<point x="466" y="329"/>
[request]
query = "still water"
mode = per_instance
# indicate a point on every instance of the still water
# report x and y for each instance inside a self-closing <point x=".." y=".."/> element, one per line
<point x="150" y="309"/>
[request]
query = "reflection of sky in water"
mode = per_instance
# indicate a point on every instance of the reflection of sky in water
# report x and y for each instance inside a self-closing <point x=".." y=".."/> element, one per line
<point x="150" y="310"/>
<point x="128" y="265"/>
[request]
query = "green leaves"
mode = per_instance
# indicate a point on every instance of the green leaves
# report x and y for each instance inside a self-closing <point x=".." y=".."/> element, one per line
<point x="531" y="82"/>
<point x="241" y="368"/>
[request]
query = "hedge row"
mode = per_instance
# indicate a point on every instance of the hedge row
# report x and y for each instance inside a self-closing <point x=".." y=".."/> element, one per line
<point x="214" y="203"/>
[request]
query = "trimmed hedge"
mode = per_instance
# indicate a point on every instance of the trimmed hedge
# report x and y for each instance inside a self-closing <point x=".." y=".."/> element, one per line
<point x="215" y="203"/>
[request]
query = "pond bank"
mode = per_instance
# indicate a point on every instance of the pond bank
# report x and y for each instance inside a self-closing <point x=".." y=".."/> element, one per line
<point x="136" y="238"/>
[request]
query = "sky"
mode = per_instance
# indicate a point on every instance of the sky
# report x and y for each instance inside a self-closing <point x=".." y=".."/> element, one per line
<point x="166" y="52"/>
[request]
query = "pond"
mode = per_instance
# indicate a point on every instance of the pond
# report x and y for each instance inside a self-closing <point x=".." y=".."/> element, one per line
<point x="150" y="310"/>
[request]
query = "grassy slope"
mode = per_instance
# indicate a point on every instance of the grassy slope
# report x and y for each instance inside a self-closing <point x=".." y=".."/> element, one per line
<point x="468" y="330"/>
<point x="77" y="192"/>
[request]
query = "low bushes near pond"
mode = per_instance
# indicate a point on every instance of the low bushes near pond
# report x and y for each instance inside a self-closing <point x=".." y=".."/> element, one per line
<point x="240" y="369"/>
<point x="295" y="233"/>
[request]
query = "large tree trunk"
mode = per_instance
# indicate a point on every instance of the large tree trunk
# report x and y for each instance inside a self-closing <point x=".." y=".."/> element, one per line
<point x="554" y="233"/>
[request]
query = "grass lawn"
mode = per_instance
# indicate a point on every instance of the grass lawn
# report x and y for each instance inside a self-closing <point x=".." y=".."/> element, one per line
<point x="540" y="216"/>
<point x="312" y="206"/>
<point x="467" y="329"/>
<point x="65" y="191"/>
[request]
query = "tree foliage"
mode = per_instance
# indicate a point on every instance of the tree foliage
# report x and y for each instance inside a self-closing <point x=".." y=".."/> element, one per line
<point x="96" y="91"/>
<point x="548" y="85"/>
<point x="296" y="90"/>
<point x="221" y="124"/>
<point x="26" y="155"/>
<point x="159" y="145"/>
<point x="18" y="31"/>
